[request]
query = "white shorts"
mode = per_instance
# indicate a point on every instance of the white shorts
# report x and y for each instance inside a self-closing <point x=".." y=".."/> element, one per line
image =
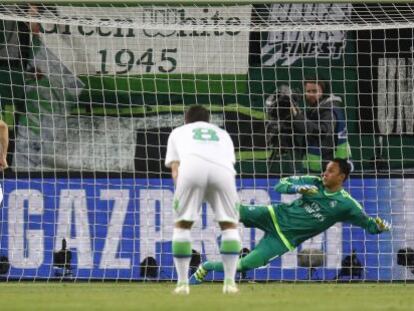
<point x="200" y="181"/>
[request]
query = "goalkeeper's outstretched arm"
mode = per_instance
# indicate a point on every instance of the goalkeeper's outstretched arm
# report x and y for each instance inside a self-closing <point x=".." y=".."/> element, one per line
<point x="358" y="218"/>
<point x="298" y="184"/>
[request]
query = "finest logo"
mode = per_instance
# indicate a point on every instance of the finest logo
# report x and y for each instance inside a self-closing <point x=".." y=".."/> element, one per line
<point x="286" y="47"/>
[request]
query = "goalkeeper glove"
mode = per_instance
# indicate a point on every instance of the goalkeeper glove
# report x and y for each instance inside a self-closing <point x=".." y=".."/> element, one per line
<point x="306" y="189"/>
<point x="382" y="225"/>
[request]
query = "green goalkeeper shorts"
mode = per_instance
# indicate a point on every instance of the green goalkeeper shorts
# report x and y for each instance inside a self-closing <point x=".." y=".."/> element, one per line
<point x="270" y="246"/>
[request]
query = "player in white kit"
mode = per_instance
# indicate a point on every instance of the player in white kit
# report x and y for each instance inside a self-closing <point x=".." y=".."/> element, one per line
<point x="201" y="157"/>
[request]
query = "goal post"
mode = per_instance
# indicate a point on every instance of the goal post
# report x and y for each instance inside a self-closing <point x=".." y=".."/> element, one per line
<point x="92" y="89"/>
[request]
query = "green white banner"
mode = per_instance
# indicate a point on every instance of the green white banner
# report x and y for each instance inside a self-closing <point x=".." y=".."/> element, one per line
<point x="113" y="51"/>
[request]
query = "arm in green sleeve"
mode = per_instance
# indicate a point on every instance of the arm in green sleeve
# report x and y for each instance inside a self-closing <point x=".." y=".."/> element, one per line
<point x="358" y="218"/>
<point x="289" y="184"/>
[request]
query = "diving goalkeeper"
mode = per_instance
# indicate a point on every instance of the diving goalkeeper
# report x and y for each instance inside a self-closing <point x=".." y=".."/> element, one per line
<point x="323" y="203"/>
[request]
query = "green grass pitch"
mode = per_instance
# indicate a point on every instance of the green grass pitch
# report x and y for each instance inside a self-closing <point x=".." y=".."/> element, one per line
<point x="158" y="296"/>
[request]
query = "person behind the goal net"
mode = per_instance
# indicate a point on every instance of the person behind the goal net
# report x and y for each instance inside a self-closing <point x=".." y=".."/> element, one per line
<point x="201" y="157"/>
<point x="323" y="203"/>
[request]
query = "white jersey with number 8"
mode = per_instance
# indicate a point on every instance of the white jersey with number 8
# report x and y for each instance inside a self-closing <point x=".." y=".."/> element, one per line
<point x="201" y="139"/>
<point x="206" y="171"/>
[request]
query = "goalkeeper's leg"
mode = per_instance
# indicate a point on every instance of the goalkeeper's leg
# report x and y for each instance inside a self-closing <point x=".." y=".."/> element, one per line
<point x="269" y="247"/>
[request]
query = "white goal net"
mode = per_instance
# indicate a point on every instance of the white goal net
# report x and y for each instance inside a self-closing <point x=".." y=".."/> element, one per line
<point x="91" y="92"/>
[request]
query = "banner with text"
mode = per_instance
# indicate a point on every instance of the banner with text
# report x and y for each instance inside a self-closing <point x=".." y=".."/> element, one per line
<point x="111" y="226"/>
<point x="159" y="49"/>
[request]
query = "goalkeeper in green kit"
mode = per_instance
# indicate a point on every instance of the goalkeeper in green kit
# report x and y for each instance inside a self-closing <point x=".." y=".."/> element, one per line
<point x="323" y="203"/>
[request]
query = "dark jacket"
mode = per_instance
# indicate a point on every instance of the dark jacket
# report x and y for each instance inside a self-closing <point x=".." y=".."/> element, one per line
<point x="322" y="129"/>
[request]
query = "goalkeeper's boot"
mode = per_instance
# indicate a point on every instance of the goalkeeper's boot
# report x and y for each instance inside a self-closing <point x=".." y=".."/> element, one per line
<point x="230" y="287"/>
<point x="182" y="289"/>
<point x="198" y="276"/>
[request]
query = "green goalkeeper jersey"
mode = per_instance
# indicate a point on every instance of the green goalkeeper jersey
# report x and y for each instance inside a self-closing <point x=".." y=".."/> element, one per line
<point x="313" y="214"/>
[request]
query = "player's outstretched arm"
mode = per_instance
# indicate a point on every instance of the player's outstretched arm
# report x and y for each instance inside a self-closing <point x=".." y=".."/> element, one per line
<point x="372" y="225"/>
<point x="298" y="184"/>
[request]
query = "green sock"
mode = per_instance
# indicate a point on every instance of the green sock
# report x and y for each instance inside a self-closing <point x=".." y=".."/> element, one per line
<point x="181" y="248"/>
